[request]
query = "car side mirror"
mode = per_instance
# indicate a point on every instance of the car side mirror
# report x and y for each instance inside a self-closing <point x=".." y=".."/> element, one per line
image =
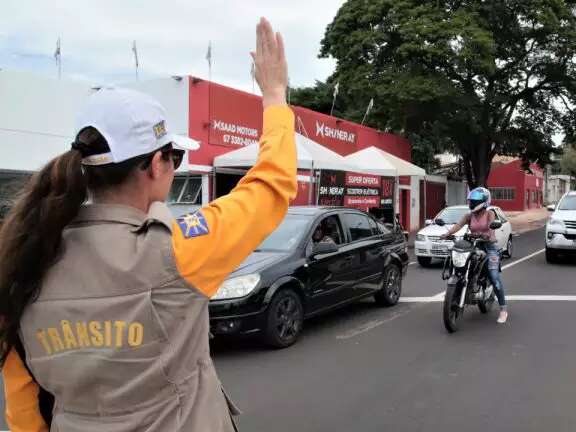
<point x="551" y="207"/>
<point x="324" y="248"/>
<point x="440" y="222"/>
<point x="428" y="222"/>
<point x="496" y="225"/>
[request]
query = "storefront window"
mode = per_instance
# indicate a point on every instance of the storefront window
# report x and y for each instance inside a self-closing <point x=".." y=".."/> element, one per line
<point x="503" y="194"/>
<point x="186" y="190"/>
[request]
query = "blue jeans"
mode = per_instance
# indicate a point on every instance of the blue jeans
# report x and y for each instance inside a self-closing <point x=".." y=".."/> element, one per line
<point x="494" y="272"/>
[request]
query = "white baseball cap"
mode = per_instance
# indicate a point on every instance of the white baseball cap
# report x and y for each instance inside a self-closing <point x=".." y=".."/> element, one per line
<point x="133" y="124"/>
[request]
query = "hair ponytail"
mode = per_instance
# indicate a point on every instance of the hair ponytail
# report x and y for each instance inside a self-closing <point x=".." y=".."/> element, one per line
<point x="31" y="236"/>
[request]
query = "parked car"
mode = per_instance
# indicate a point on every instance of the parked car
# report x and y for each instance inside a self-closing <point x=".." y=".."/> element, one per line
<point x="429" y="246"/>
<point x="318" y="259"/>
<point x="561" y="228"/>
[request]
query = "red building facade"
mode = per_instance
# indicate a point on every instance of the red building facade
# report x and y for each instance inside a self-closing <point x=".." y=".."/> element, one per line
<point x="514" y="189"/>
<point x="224" y="119"/>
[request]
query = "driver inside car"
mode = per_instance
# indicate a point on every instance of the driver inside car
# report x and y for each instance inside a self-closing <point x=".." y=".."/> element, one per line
<point x="320" y="236"/>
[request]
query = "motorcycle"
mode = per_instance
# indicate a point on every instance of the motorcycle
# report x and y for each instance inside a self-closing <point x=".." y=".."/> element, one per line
<point x="468" y="281"/>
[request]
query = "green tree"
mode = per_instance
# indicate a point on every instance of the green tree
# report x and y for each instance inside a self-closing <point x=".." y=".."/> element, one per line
<point x="477" y="77"/>
<point x="568" y="161"/>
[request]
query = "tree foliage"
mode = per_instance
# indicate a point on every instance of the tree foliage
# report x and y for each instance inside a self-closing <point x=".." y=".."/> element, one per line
<point x="568" y="161"/>
<point x="477" y="77"/>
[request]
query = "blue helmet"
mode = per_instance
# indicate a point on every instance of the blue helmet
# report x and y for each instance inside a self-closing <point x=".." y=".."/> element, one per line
<point x="478" y="199"/>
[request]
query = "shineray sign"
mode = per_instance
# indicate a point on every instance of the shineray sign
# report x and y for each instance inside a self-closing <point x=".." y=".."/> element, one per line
<point x="325" y="131"/>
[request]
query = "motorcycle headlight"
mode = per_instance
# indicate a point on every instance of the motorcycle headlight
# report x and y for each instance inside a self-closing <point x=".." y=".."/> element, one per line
<point x="459" y="258"/>
<point x="420" y="237"/>
<point x="237" y="287"/>
<point x="556" y="222"/>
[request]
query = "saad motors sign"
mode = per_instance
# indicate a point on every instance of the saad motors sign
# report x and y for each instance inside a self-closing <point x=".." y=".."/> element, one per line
<point x="235" y="118"/>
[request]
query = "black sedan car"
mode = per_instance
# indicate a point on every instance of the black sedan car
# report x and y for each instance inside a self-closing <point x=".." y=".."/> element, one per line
<point x="318" y="259"/>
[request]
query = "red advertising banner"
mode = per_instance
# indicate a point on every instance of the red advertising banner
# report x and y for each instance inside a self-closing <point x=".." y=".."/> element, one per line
<point x="361" y="202"/>
<point x="235" y="117"/>
<point x="362" y="180"/>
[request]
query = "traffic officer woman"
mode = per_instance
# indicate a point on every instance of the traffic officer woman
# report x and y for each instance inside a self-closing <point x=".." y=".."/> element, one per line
<point x="110" y="299"/>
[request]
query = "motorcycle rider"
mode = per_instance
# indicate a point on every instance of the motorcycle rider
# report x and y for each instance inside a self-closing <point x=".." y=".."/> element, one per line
<point x="479" y="220"/>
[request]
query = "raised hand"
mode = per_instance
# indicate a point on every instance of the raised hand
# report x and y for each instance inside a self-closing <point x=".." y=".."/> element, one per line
<point x="271" y="69"/>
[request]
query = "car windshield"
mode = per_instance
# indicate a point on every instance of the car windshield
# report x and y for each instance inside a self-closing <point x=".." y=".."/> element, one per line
<point x="452" y="215"/>
<point x="568" y="203"/>
<point x="286" y="236"/>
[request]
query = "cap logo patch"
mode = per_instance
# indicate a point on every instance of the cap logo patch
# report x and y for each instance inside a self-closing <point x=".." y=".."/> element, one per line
<point x="160" y="129"/>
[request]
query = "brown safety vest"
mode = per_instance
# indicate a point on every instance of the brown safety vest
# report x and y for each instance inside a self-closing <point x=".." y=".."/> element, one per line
<point x="118" y="336"/>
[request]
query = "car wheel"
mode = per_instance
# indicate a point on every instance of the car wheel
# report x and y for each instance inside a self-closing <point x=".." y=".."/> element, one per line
<point x="285" y="319"/>
<point x="551" y="256"/>
<point x="424" y="261"/>
<point x="509" y="248"/>
<point x="391" y="289"/>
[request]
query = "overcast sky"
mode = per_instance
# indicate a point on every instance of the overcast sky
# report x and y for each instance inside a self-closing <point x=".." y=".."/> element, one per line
<point x="171" y="35"/>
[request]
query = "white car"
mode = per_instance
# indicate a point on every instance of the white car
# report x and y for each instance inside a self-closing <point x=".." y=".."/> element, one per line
<point x="428" y="244"/>
<point x="561" y="227"/>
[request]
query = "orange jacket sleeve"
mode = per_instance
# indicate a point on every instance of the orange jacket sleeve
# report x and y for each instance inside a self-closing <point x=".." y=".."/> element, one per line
<point x="21" y="394"/>
<point x="211" y="243"/>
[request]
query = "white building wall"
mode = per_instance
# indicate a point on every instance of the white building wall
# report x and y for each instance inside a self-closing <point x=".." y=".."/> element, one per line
<point x="37" y="117"/>
<point x="456" y="193"/>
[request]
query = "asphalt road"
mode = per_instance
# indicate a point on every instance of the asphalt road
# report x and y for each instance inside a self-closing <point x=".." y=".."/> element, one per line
<point x="369" y="369"/>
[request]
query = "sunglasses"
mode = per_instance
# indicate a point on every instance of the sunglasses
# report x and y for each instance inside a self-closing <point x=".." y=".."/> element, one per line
<point x="167" y="153"/>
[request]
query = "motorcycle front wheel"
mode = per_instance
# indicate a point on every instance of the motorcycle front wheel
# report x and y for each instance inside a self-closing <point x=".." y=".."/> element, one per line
<point x="452" y="312"/>
<point x="486" y="305"/>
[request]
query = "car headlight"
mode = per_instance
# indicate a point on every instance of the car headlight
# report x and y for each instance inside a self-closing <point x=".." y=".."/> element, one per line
<point x="556" y="222"/>
<point x="237" y="287"/>
<point x="459" y="258"/>
<point x="420" y="237"/>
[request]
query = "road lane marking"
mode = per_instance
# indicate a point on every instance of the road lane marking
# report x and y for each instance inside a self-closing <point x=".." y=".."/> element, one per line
<point x="412" y="263"/>
<point x="527" y="257"/>
<point x="371" y="325"/>
<point x="440" y="298"/>
<point x="541" y="297"/>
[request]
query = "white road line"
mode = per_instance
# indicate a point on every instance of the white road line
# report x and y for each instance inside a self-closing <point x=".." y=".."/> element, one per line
<point x="440" y="296"/>
<point x="370" y="325"/>
<point x="541" y="297"/>
<point x="527" y="257"/>
<point x="412" y="263"/>
<point x="439" y="299"/>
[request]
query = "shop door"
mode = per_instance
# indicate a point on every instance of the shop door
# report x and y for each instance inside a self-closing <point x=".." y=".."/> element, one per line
<point x="435" y="198"/>
<point x="405" y="209"/>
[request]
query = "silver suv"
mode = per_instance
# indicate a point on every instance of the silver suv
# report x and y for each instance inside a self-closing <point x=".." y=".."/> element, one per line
<point x="561" y="228"/>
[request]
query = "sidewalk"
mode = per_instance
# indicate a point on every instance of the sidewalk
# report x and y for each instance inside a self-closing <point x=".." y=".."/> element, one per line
<point x="528" y="220"/>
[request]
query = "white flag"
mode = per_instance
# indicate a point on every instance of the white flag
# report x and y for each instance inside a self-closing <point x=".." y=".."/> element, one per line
<point x="135" y="51"/>
<point x="209" y="53"/>
<point x="58" y="51"/>
<point x="368" y="109"/>
<point x="337" y="89"/>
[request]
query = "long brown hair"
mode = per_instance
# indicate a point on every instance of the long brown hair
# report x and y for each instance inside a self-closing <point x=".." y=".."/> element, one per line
<point x="31" y="236"/>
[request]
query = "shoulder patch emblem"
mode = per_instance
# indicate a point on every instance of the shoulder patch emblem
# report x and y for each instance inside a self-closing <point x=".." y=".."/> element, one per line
<point x="193" y="225"/>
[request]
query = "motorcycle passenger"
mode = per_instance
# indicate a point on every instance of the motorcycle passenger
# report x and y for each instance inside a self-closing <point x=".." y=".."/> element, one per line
<point x="479" y="220"/>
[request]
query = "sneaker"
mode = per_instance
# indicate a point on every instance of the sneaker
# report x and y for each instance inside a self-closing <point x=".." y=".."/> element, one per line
<point x="503" y="317"/>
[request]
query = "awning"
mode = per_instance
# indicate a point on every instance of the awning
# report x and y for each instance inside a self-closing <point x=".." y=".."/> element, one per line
<point x="376" y="161"/>
<point x="311" y="155"/>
